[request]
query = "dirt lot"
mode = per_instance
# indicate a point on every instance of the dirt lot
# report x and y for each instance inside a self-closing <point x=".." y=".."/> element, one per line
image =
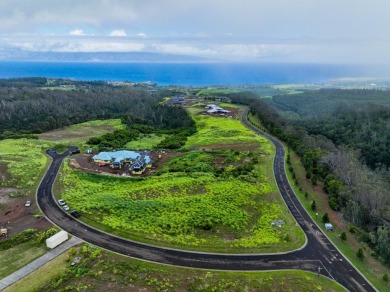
<point x="15" y="216"/>
<point x="84" y="162"/>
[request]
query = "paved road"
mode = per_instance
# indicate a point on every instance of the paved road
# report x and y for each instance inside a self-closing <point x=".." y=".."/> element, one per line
<point x="318" y="255"/>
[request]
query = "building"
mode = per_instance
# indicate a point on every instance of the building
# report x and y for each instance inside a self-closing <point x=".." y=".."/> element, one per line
<point x="140" y="164"/>
<point x="116" y="159"/>
<point x="178" y="99"/>
<point x="214" y="109"/>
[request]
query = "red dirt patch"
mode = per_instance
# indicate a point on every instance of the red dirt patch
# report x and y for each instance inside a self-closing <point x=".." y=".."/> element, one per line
<point x="16" y="217"/>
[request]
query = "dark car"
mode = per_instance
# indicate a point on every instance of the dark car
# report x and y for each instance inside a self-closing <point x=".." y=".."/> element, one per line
<point x="74" y="213"/>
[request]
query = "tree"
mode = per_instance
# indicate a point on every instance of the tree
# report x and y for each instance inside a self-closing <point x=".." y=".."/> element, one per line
<point x="314" y="180"/>
<point x="313" y="205"/>
<point x="325" y="218"/>
<point x="385" y="277"/>
<point x="343" y="236"/>
<point x="360" y="254"/>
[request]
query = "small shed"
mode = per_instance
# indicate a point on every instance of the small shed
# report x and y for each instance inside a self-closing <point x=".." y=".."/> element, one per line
<point x="329" y="226"/>
<point x="57" y="239"/>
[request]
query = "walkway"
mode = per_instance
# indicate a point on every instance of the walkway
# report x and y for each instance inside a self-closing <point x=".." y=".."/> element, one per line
<point x="39" y="262"/>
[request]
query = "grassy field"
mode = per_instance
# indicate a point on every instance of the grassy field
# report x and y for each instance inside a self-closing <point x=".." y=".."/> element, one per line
<point x="145" y="142"/>
<point x="103" y="271"/>
<point x="221" y="200"/>
<point x="370" y="267"/>
<point x="217" y="131"/>
<point x="79" y="133"/>
<point x="16" y="257"/>
<point x="22" y="162"/>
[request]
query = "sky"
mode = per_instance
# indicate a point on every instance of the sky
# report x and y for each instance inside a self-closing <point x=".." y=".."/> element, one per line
<point x="312" y="31"/>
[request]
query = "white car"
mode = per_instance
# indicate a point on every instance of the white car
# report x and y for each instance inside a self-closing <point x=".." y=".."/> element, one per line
<point x="61" y="202"/>
<point x="66" y="208"/>
<point x="27" y="204"/>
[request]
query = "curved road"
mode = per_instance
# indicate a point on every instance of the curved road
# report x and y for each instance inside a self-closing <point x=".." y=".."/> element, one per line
<point x="319" y="255"/>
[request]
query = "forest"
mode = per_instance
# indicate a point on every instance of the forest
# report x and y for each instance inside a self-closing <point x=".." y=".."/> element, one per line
<point x="343" y="141"/>
<point x="28" y="109"/>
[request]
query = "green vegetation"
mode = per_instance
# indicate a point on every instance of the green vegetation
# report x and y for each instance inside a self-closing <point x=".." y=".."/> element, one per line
<point x="316" y="103"/>
<point x="18" y="256"/>
<point x="217" y="131"/>
<point x="360" y="255"/>
<point x="22" y="248"/>
<point x="146" y="142"/>
<point x="22" y="162"/>
<point x="100" y="269"/>
<point x="215" y="91"/>
<point x="79" y="133"/>
<point x="370" y="267"/>
<point x="329" y="141"/>
<point x="222" y="200"/>
<point x="343" y="236"/>
<point x="173" y="123"/>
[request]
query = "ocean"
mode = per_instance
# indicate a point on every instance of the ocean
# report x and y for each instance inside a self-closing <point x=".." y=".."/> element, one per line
<point x="194" y="74"/>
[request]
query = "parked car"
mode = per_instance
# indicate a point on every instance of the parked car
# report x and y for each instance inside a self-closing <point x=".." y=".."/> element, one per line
<point x="27" y="204"/>
<point x="61" y="202"/>
<point x="66" y="208"/>
<point x="74" y="213"/>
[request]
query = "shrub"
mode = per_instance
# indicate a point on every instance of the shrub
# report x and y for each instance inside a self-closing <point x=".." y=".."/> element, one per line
<point x="360" y="254"/>
<point x="333" y="204"/>
<point x="314" y="180"/>
<point x="325" y="218"/>
<point x="343" y="236"/>
<point x="313" y="205"/>
<point x="385" y="277"/>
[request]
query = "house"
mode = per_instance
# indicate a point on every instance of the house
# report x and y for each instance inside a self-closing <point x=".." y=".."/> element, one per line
<point x="102" y="158"/>
<point x="116" y="159"/>
<point x="213" y="109"/>
<point x="178" y="99"/>
<point x="140" y="164"/>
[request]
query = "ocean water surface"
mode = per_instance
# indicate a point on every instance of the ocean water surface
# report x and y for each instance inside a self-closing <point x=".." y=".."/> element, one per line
<point x="195" y="74"/>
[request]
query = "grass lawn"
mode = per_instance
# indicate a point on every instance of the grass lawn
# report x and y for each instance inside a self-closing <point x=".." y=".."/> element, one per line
<point x="145" y="142"/>
<point x="45" y="274"/>
<point x="79" y="133"/>
<point x="104" y="271"/>
<point x="370" y="267"/>
<point x="16" y="257"/>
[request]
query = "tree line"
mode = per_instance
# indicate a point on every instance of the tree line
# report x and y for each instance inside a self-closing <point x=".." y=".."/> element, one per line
<point x="357" y="190"/>
<point x="29" y="110"/>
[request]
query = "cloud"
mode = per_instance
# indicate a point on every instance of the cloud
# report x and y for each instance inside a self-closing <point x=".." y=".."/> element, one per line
<point x="77" y="32"/>
<point x="118" y="33"/>
<point x="271" y="50"/>
<point x="312" y="30"/>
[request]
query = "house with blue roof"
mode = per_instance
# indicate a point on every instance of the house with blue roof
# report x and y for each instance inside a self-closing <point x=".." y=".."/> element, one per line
<point x="116" y="159"/>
